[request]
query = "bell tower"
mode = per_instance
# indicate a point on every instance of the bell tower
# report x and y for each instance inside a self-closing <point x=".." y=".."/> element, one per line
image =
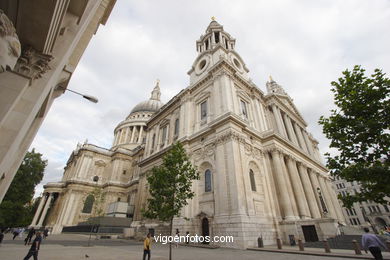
<point x="213" y="47"/>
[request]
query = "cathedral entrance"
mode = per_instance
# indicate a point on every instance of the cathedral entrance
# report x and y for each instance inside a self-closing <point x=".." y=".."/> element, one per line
<point x="205" y="228"/>
<point x="310" y="233"/>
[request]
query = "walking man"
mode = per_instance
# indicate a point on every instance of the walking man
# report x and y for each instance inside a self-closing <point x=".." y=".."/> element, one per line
<point x="372" y="243"/>
<point x="30" y="234"/>
<point x="34" y="247"/>
<point x="147" y="243"/>
<point x="15" y="233"/>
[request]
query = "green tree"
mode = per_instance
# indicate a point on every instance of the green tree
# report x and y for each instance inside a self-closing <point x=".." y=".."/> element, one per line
<point x="170" y="187"/>
<point x="16" y="208"/>
<point x="99" y="198"/>
<point x="359" y="130"/>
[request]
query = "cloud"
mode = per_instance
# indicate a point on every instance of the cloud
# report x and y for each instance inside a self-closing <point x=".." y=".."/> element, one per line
<point x="304" y="45"/>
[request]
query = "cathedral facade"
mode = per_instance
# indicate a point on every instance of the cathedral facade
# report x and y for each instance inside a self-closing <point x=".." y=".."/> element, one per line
<point x="261" y="171"/>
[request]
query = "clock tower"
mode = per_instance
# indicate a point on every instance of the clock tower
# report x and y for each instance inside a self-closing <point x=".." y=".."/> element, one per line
<point x="213" y="47"/>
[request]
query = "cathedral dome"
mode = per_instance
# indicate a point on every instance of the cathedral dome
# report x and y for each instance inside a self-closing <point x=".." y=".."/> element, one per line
<point x="151" y="105"/>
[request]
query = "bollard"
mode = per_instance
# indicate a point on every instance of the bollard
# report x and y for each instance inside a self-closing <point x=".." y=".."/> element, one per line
<point x="260" y="242"/>
<point x="356" y="247"/>
<point x="300" y="245"/>
<point x="326" y="246"/>
<point x="279" y="243"/>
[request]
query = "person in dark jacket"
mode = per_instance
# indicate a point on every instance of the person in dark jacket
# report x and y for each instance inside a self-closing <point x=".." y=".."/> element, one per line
<point x="30" y="234"/>
<point x="34" y="247"/>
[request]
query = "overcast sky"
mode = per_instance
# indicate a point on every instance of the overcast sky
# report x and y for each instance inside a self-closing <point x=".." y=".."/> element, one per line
<point x="304" y="45"/>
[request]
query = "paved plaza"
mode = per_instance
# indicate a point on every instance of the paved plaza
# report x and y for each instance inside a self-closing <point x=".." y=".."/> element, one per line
<point x="61" y="247"/>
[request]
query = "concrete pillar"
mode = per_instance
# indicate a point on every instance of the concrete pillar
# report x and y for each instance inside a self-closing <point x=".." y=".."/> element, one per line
<point x="309" y="192"/>
<point x="284" y="198"/>
<point x="44" y="212"/>
<point x="301" y="199"/>
<point x="38" y="211"/>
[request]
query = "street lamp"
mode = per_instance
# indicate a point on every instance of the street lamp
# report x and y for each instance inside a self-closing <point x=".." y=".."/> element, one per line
<point x="88" y="97"/>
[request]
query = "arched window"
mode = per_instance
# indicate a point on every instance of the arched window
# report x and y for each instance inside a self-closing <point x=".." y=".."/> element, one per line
<point x="252" y="178"/>
<point x="88" y="204"/>
<point x="207" y="181"/>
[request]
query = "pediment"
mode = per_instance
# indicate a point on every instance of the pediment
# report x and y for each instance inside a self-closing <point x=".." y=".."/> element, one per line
<point x="287" y="102"/>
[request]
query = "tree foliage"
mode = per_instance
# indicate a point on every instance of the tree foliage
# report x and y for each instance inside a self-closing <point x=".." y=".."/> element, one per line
<point x="16" y="208"/>
<point x="359" y="130"/>
<point x="170" y="186"/>
<point x="99" y="199"/>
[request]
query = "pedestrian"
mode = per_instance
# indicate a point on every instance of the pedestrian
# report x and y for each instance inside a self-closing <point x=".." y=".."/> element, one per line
<point x="21" y="232"/>
<point x="30" y="234"/>
<point x="34" y="247"/>
<point x="15" y="233"/>
<point x="177" y="237"/>
<point x="45" y="233"/>
<point x="373" y="244"/>
<point x="147" y="244"/>
<point x="187" y="237"/>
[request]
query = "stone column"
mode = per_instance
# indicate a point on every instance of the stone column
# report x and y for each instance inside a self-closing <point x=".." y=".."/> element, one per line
<point x="310" y="195"/>
<point x="289" y="187"/>
<point x="38" y="211"/>
<point x="132" y="134"/>
<point x="335" y="201"/>
<point x="303" y="208"/>
<point x="44" y="212"/>
<point x="284" y="198"/>
<point x="127" y="134"/>
<point x="300" y="137"/>
<point x="327" y="196"/>
<point x="115" y="137"/>
<point x="308" y="143"/>
<point x="278" y="119"/>
<point x="140" y="134"/>
<point x="290" y="129"/>
<point x="315" y="185"/>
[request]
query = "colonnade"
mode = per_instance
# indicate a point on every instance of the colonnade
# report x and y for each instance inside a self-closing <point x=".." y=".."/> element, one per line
<point x="289" y="129"/>
<point x="129" y="134"/>
<point x="303" y="193"/>
<point x="43" y="207"/>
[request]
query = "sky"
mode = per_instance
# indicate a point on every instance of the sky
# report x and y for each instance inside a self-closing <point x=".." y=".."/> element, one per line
<point x="304" y="45"/>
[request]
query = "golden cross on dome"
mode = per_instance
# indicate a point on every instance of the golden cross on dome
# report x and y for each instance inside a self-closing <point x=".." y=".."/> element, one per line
<point x="213" y="18"/>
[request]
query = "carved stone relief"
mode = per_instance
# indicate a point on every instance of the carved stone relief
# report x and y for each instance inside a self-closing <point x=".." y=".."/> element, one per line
<point x="32" y="63"/>
<point x="9" y="44"/>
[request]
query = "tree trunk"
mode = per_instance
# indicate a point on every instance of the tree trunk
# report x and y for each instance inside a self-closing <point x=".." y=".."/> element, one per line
<point x="170" y="243"/>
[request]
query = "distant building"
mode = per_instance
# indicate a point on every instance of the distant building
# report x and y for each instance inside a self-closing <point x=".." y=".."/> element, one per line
<point x="261" y="171"/>
<point x="362" y="214"/>
<point x="41" y="43"/>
